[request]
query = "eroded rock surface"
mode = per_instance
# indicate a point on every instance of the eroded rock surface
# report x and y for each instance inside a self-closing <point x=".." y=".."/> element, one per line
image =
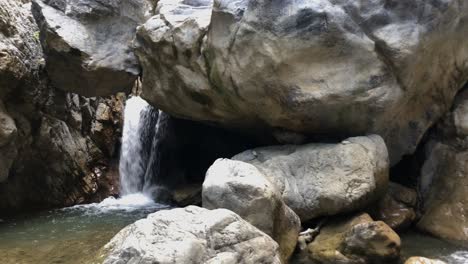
<point x="353" y="240"/>
<point x="192" y="235"/>
<point x="87" y="43"/>
<point x="444" y="176"/>
<point x="314" y="67"/>
<point x="49" y="153"/>
<point x="243" y="189"/>
<point x="323" y="179"/>
<point x="397" y="208"/>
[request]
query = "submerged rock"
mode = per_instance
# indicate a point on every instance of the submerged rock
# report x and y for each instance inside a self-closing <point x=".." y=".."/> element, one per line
<point x="322" y="179"/>
<point x="87" y="43"/>
<point x="313" y="67"/>
<point x="243" y="189"/>
<point x="192" y="235"/>
<point x="353" y="240"/>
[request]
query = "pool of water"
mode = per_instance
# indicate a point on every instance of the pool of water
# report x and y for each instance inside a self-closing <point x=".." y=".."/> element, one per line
<point x="417" y="244"/>
<point x="70" y="235"/>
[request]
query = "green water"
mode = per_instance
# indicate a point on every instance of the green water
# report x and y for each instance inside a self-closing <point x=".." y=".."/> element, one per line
<point x="75" y="235"/>
<point x="71" y="235"/>
<point x="416" y="244"/>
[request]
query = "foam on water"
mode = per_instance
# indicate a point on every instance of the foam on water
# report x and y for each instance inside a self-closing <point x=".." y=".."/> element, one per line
<point x="127" y="203"/>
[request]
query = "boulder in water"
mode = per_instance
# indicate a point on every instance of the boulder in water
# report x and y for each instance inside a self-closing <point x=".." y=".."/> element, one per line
<point x="192" y="235"/>
<point x="397" y="207"/>
<point x="352" y="240"/>
<point x="243" y="189"/>
<point x="321" y="179"/>
<point x="421" y="260"/>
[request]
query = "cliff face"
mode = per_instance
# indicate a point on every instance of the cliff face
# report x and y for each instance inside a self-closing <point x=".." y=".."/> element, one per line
<point x="55" y="147"/>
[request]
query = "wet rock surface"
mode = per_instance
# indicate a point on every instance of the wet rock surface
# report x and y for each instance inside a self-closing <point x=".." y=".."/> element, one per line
<point x="352" y="239"/>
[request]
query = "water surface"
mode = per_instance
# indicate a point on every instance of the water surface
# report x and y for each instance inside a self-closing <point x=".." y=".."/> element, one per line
<point x="70" y="235"/>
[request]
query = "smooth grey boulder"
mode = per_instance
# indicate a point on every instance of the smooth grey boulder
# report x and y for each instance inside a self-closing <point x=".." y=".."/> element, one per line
<point x="324" y="179"/>
<point x="191" y="235"/>
<point x="314" y="67"/>
<point x="87" y="43"/>
<point x="243" y="189"/>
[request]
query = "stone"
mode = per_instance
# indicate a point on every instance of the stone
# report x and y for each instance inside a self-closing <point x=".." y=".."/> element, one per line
<point x="87" y="43"/>
<point x="191" y="235"/>
<point x="421" y="260"/>
<point x="312" y="67"/>
<point x="397" y="207"/>
<point x="443" y="178"/>
<point x="243" y="189"/>
<point x="444" y="181"/>
<point x="320" y="179"/>
<point x="351" y="240"/>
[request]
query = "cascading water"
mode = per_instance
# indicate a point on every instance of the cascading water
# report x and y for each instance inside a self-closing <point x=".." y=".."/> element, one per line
<point x="139" y="158"/>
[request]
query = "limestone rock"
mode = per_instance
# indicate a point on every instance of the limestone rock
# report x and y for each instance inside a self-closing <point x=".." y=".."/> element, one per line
<point x="421" y="260"/>
<point x="192" y="235"/>
<point x="397" y="207"/>
<point x="313" y="67"/>
<point x="353" y="240"/>
<point x="87" y="43"/>
<point x="243" y="189"/>
<point x="324" y="179"/>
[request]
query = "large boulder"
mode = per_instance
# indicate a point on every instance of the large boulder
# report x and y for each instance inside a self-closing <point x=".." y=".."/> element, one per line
<point x="314" y="67"/>
<point x="323" y="179"/>
<point x="353" y="240"/>
<point x="243" y="189"/>
<point x="87" y="43"/>
<point x="444" y="176"/>
<point x="421" y="260"/>
<point x="191" y="235"/>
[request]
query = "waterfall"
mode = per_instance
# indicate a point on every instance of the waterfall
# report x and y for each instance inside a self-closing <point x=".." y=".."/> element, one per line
<point x="139" y="157"/>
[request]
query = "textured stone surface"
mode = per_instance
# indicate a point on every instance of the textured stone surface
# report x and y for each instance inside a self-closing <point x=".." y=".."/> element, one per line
<point x="192" y="235"/>
<point x="444" y="176"/>
<point x="87" y="43"/>
<point x="243" y="189"/>
<point x="324" y="179"/>
<point x="421" y="260"/>
<point x="352" y="240"/>
<point x="397" y="207"/>
<point x="315" y="67"/>
<point x="48" y="155"/>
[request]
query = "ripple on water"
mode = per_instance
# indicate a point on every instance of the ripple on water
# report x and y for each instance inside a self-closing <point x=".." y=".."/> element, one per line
<point x="70" y="235"/>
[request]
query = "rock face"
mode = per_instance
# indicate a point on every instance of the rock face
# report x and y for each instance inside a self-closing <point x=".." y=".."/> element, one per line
<point x="243" y="189"/>
<point x="323" y="179"/>
<point x="421" y="260"/>
<point x="444" y="176"/>
<point x="314" y="67"/>
<point x="192" y="235"/>
<point x="351" y="240"/>
<point x="397" y="207"/>
<point x="49" y="153"/>
<point x="87" y="43"/>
